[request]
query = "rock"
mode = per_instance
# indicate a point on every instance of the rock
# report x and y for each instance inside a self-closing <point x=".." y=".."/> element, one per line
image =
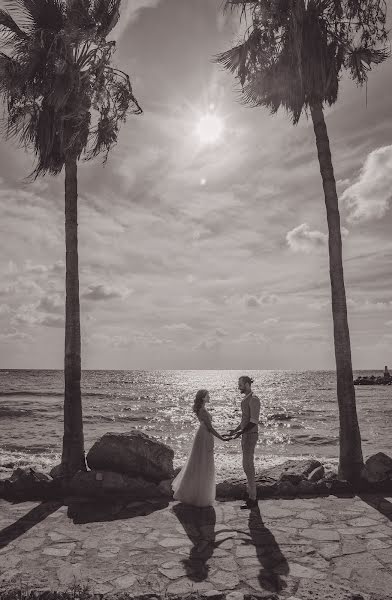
<point x="286" y="488"/>
<point x="296" y="470"/>
<point x="28" y="484"/>
<point x="133" y="453"/>
<point x="306" y="488"/>
<point x="56" y="472"/>
<point x="378" y="468"/>
<point x="316" y="474"/>
<point x="340" y="487"/>
<point x="105" y="483"/>
<point x="166" y="488"/>
<point x="236" y="488"/>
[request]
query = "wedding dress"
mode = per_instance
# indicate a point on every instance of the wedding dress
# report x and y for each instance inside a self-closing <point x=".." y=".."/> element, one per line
<point x="195" y="483"/>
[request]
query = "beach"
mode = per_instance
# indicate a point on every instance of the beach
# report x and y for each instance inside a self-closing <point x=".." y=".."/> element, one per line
<point x="299" y="414"/>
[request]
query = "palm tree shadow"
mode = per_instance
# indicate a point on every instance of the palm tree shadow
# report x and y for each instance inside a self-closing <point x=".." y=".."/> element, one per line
<point x="273" y="563"/>
<point x="199" y="525"/>
<point x="379" y="502"/>
<point x="83" y="511"/>
<point x="33" y="517"/>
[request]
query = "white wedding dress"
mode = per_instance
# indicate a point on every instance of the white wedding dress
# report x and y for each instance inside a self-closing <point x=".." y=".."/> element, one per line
<point x="195" y="483"/>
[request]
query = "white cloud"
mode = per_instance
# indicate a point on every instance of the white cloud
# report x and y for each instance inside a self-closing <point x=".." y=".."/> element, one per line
<point x="178" y="327"/>
<point x="100" y="291"/>
<point x="129" y="12"/>
<point x="251" y="300"/>
<point x="302" y="239"/>
<point x="369" y="197"/>
<point x="252" y="338"/>
<point x="52" y="304"/>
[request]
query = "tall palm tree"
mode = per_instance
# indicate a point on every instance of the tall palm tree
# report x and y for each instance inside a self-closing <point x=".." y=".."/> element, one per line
<point x="64" y="99"/>
<point x="292" y="55"/>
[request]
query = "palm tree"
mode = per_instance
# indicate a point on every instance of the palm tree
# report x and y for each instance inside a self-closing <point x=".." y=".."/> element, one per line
<point x="292" y="55"/>
<point x="64" y="99"/>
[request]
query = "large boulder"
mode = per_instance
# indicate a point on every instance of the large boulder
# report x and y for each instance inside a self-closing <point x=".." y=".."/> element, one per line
<point x="132" y="453"/>
<point x="378" y="468"/>
<point x="272" y="481"/>
<point x="295" y="470"/>
<point x="108" y="483"/>
<point x="236" y="488"/>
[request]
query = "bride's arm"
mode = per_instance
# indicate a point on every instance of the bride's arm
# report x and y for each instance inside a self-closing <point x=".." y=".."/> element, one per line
<point x="207" y="421"/>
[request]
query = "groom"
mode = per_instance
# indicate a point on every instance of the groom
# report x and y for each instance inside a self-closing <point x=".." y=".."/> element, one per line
<point x="249" y="432"/>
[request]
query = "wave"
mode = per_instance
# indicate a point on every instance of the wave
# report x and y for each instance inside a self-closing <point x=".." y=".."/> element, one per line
<point x="280" y="417"/>
<point x="104" y="395"/>
<point x="6" y="412"/>
<point x="315" y="440"/>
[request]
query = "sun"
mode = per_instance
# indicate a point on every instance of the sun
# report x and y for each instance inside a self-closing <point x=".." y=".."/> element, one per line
<point x="209" y="128"/>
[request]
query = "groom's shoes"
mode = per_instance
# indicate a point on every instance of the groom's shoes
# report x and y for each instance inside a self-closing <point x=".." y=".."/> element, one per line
<point x="249" y="504"/>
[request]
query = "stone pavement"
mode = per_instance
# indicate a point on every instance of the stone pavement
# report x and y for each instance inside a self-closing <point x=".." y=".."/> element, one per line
<point x="313" y="548"/>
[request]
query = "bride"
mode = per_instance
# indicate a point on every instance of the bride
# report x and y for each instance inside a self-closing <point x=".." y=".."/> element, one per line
<point x="195" y="483"/>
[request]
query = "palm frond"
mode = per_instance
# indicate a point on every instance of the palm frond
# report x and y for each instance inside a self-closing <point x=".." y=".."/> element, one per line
<point x="106" y="14"/>
<point x="39" y="14"/>
<point x="359" y="61"/>
<point x="9" y="29"/>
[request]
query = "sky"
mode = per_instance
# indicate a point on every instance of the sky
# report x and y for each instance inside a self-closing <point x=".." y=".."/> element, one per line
<point x="198" y="255"/>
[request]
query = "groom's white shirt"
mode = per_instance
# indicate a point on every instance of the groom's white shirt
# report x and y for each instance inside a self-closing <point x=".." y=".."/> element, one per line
<point x="250" y="408"/>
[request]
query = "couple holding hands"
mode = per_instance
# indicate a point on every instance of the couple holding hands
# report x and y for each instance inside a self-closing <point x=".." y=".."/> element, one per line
<point x="195" y="483"/>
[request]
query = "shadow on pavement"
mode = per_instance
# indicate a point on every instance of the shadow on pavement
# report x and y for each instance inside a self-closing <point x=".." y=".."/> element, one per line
<point x="33" y="517"/>
<point x="273" y="563"/>
<point x="199" y="525"/>
<point x="95" y="511"/>
<point x="379" y="502"/>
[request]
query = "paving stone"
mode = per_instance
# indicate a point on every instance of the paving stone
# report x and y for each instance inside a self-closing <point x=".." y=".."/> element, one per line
<point x="301" y="571"/>
<point x="181" y="586"/>
<point x="298" y="523"/>
<point x="102" y="588"/>
<point x="174" y="572"/>
<point x="377" y="544"/>
<point x="169" y="543"/>
<point x="125" y="581"/>
<point x="363" y="522"/>
<point x="225" y="579"/>
<point x="312" y="515"/>
<point x="275" y="512"/>
<point x="70" y="574"/>
<point x="329" y="550"/>
<point x="64" y="550"/>
<point x="321" y="534"/>
<point x="31" y="543"/>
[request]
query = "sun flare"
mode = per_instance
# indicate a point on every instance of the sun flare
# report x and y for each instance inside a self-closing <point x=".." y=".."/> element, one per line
<point x="209" y="129"/>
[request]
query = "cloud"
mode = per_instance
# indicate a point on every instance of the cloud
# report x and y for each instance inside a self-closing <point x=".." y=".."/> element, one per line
<point x="271" y="321"/>
<point x="302" y="239"/>
<point x="129" y="12"/>
<point x="306" y="337"/>
<point x="252" y="337"/>
<point x="180" y="327"/>
<point x="369" y="197"/>
<point x="52" y="304"/>
<point x="213" y="341"/>
<point x="16" y="336"/>
<point x="100" y="291"/>
<point x="251" y="300"/>
<point x="51" y="321"/>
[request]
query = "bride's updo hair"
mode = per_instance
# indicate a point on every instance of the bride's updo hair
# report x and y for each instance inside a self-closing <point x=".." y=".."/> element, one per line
<point x="198" y="403"/>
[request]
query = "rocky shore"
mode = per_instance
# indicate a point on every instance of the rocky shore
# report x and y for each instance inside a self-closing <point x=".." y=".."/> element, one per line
<point x="136" y="466"/>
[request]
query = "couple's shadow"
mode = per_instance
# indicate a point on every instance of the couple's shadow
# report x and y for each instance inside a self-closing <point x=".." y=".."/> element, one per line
<point x="199" y="525"/>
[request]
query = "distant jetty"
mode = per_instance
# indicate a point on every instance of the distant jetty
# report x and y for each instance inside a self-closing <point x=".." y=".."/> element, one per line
<point x="384" y="379"/>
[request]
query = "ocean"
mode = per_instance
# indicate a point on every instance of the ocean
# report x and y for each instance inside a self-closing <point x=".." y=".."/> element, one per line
<point x="299" y="414"/>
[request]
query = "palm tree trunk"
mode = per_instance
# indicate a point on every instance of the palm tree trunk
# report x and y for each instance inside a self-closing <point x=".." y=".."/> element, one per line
<point x="351" y="459"/>
<point x="73" y="458"/>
